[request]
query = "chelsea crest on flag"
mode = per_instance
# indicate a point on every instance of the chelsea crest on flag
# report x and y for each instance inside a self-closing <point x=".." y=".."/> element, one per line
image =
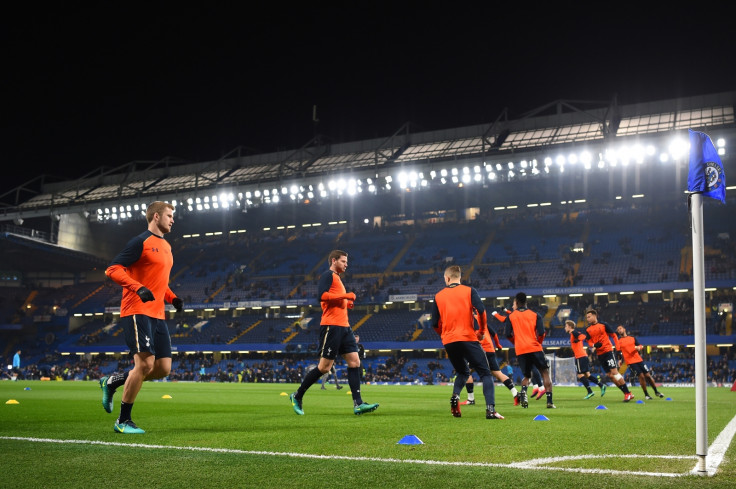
<point x="705" y="174"/>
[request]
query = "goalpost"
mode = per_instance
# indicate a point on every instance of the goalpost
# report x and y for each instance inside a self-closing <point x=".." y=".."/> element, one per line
<point x="562" y="370"/>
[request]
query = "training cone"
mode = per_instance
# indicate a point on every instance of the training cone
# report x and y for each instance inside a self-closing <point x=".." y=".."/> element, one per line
<point x="27" y="389"/>
<point x="541" y="417"/>
<point x="166" y="396"/>
<point x="12" y="401"/>
<point x="601" y="407"/>
<point x="410" y="440"/>
<point x="640" y="401"/>
<point x="283" y="394"/>
<point x="668" y="399"/>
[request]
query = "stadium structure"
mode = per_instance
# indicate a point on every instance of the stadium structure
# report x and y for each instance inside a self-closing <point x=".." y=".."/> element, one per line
<point x="577" y="203"/>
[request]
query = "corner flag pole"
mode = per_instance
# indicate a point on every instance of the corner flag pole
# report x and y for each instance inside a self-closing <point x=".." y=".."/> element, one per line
<point x="705" y="177"/>
<point x="701" y="395"/>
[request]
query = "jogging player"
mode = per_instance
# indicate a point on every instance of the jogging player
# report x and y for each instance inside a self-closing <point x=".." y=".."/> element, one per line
<point x="582" y="364"/>
<point x="490" y="350"/>
<point x="142" y="269"/>
<point x="525" y="330"/>
<point x="598" y="336"/>
<point x="335" y="335"/>
<point x="630" y="348"/>
<point x="452" y="319"/>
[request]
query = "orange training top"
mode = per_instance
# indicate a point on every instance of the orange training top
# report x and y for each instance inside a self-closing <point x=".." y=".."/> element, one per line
<point x="628" y="346"/>
<point x="334" y="311"/>
<point x="452" y="314"/>
<point x="146" y="262"/>
<point x="578" y="347"/>
<point x="526" y="331"/>
<point x="599" y="333"/>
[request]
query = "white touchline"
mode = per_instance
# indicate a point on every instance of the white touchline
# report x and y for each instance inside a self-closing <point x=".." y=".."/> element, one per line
<point x="716" y="452"/>
<point x="717" y="449"/>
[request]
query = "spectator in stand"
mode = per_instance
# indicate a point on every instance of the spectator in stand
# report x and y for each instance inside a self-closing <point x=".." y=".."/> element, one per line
<point x="16" y="366"/>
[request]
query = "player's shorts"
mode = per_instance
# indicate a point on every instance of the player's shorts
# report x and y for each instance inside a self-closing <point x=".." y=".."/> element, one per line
<point x="608" y="361"/>
<point x="532" y="359"/>
<point x="582" y="365"/>
<point x="144" y="334"/>
<point x="639" y="368"/>
<point x="336" y="340"/>
<point x="465" y="355"/>
<point x="492" y="361"/>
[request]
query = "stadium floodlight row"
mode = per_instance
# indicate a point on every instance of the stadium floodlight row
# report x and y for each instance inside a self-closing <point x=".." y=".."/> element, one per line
<point x="573" y="138"/>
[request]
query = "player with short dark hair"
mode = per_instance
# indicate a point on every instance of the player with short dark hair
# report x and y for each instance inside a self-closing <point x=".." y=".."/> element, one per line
<point x="452" y="319"/>
<point x="335" y="335"/>
<point x="143" y="269"/>
<point x="630" y="349"/>
<point x="526" y="331"/>
<point x="582" y="364"/>
<point x="598" y="335"/>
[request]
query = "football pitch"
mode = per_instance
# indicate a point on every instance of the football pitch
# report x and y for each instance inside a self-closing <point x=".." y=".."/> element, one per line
<point x="247" y="435"/>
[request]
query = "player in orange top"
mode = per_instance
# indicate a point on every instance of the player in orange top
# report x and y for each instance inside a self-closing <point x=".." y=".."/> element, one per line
<point x="526" y="331"/>
<point x="630" y="348"/>
<point x="142" y="269"/>
<point x="598" y="336"/>
<point x="582" y="364"/>
<point x="490" y="350"/>
<point x="452" y="319"/>
<point x="335" y="335"/>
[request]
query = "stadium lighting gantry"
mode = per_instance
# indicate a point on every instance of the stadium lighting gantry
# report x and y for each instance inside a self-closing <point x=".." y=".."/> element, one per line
<point x="406" y="178"/>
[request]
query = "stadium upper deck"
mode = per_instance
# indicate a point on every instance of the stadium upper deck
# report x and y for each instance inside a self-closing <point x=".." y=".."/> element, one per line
<point x="564" y="136"/>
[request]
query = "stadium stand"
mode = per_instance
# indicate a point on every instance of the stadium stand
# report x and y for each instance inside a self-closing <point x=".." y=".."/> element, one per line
<point x="256" y="290"/>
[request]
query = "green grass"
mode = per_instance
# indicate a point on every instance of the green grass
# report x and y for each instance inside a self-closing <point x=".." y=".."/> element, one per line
<point x="252" y="420"/>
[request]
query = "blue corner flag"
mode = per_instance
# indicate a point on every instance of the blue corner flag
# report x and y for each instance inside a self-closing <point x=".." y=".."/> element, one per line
<point x="706" y="173"/>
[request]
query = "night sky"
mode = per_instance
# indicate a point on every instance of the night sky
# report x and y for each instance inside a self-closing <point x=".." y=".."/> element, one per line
<point x="88" y="85"/>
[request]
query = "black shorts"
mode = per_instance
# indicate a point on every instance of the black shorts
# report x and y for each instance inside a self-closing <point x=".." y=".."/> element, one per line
<point x="639" y="368"/>
<point x="492" y="361"/>
<point x="465" y="355"/>
<point x="608" y="361"/>
<point x="532" y="359"/>
<point x="144" y="334"/>
<point x="582" y="365"/>
<point x="336" y="340"/>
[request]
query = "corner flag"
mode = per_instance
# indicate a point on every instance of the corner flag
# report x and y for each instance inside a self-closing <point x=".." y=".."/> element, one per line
<point x="705" y="174"/>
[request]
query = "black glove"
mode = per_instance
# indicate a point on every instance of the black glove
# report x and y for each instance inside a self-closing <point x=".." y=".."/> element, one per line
<point x="145" y="294"/>
<point x="598" y="345"/>
<point x="178" y="304"/>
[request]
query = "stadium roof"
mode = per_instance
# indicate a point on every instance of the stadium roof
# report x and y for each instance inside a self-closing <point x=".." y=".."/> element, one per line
<point x="560" y="124"/>
<point x="29" y="254"/>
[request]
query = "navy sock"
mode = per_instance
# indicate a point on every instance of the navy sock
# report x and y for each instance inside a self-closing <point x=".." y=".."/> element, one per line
<point x="125" y="410"/>
<point x="586" y="384"/>
<point x="309" y="379"/>
<point x="354" y="383"/>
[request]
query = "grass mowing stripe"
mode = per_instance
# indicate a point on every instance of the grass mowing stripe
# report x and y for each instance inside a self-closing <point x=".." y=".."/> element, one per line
<point x="531" y="464"/>
<point x="249" y="431"/>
